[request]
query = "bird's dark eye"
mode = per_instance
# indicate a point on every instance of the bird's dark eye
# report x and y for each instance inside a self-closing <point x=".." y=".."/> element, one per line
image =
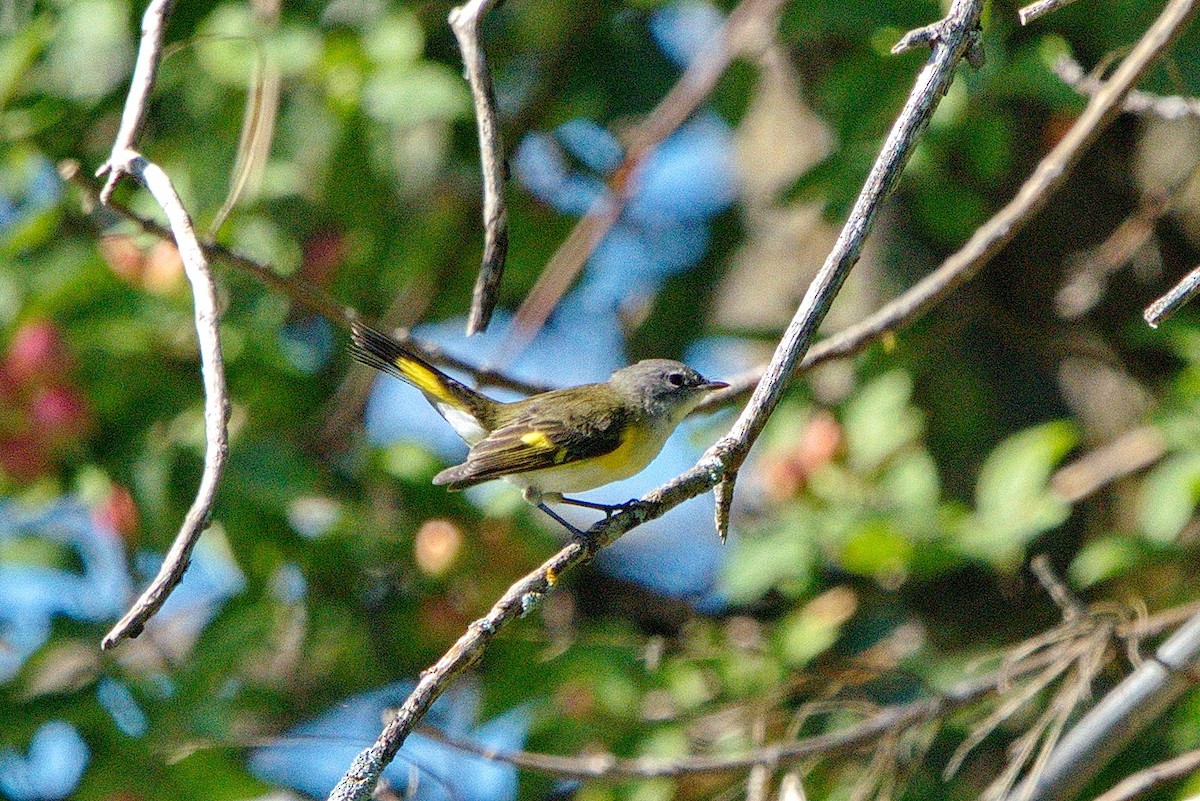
<point x="676" y="379"/>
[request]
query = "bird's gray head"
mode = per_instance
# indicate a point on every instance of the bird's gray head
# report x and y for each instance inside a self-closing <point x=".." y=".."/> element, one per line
<point x="664" y="386"/>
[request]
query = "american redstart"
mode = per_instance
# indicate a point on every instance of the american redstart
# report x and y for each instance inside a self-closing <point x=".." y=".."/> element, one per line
<point x="565" y="440"/>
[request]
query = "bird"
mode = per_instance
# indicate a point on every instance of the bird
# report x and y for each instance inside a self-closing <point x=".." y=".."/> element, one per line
<point x="554" y="442"/>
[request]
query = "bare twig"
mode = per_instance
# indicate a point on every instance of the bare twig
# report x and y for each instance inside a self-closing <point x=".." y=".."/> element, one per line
<point x="1105" y="730"/>
<point x="154" y="23"/>
<point x="1168" y="304"/>
<point x="305" y="294"/>
<point x="958" y="32"/>
<point x="723" y="493"/>
<point x="1146" y="104"/>
<point x="743" y="26"/>
<point x="1040" y="9"/>
<point x="1058" y="591"/>
<point x="990" y="237"/>
<point x="466" y="22"/>
<point x="216" y="401"/>
<point x="1154" y="777"/>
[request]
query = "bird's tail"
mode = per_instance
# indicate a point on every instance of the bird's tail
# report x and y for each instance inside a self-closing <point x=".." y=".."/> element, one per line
<point x="448" y="396"/>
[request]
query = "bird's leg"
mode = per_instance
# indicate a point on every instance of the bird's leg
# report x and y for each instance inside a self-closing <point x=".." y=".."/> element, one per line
<point x="609" y="509"/>
<point x="558" y="518"/>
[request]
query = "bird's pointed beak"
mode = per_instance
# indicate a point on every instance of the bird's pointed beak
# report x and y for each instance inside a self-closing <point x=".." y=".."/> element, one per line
<point x="711" y="385"/>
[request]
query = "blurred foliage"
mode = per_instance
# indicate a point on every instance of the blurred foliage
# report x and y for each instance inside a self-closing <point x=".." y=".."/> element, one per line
<point x="883" y="526"/>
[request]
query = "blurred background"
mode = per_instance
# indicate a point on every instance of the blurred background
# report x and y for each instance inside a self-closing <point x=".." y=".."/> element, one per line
<point x="882" y="531"/>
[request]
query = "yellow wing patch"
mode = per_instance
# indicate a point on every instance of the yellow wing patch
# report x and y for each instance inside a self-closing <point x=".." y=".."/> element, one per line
<point x="536" y="439"/>
<point x="540" y="442"/>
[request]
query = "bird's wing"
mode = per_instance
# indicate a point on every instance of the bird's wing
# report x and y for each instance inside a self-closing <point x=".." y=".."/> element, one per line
<point x="529" y="443"/>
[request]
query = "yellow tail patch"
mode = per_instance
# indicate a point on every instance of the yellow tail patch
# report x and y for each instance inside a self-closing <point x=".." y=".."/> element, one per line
<point x="425" y="380"/>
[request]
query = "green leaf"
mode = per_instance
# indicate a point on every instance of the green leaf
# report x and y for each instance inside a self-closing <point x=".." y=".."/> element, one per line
<point x="409" y="96"/>
<point x="877" y="550"/>
<point x="911" y="483"/>
<point x="1169" y="496"/>
<point x="1103" y="559"/>
<point x="1012" y="501"/>
<point x="17" y="52"/>
<point x="812" y="630"/>
<point x="760" y="563"/>
<point x="879" y="421"/>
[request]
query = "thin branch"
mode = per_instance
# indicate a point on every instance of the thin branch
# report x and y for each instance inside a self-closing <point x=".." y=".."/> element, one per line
<point x="303" y="293"/>
<point x="466" y="22"/>
<point x="957" y="33"/>
<point x="1072" y="609"/>
<point x="1040" y="9"/>
<point x="1119" y="717"/>
<point x="1168" y="304"/>
<point x="216" y="399"/>
<point x="1154" y="777"/>
<point x="119" y="164"/>
<point x="1146" y="104"/>
<point x="743" y="25"/>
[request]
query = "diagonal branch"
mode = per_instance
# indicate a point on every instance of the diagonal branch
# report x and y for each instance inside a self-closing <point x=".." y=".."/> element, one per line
<point x="955" y="35"/>
<point x="1122" y="714"/>
<point x="1154" y="777"/>
<point x="1173" y="301"/>
<point x="1144" y="104"/>
<point x="951" y="39"/>
<point x="466" y="22"/>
